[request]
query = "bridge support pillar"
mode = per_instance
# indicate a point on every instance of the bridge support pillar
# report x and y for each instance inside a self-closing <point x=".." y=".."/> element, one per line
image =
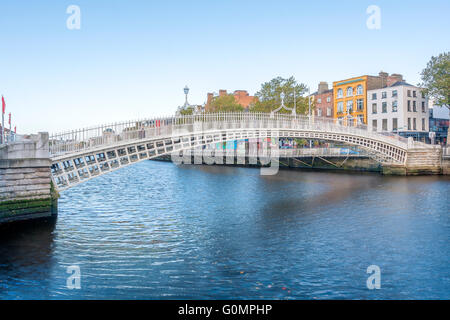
<point x="26" y="189"/>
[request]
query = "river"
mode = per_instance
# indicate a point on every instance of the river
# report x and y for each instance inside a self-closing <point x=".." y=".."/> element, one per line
<point x="158" y="231"/>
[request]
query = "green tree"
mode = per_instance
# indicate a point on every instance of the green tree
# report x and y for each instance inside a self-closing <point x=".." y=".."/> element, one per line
<point x="269" y="96"/>
<point x="225" y="103"/>
<point x="436" y="79"/>
<point x="187" y="110"/>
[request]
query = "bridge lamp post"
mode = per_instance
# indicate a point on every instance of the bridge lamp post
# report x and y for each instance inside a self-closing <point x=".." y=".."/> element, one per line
<point x="186" y="92"/>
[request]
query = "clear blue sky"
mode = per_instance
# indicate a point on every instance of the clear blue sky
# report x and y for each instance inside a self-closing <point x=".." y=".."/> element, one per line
<point x="131" y="59"/>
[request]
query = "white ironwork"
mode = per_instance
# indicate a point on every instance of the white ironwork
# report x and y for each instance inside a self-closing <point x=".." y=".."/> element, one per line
<point x="80" y="155"/>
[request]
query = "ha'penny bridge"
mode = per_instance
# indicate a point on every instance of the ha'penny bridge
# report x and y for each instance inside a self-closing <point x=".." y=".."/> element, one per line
<point x="31" y="164"/>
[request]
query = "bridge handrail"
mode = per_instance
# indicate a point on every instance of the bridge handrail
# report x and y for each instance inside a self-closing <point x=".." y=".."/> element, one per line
<point x="92" y="137"/>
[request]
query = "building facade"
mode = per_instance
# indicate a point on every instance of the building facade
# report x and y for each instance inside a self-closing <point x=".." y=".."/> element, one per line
<point x="242" y="97"/>
<point x="350" y="96"/>
<point x="439" y="123"/>
<point x="401" y="108"/>
<point x="323" y="100"/>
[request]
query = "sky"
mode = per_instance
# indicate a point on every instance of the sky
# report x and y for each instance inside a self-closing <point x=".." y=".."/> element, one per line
<point x="131" y="59"/>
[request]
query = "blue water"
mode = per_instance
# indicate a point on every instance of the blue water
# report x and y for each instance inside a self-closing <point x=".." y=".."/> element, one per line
<point x="157" y="231"/>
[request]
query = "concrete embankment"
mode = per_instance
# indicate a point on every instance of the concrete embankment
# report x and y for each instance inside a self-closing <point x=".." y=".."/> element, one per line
<point x="26" y="190"/>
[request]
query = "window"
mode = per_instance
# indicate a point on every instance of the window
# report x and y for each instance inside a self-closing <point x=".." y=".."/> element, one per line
<point x="374" y="96"/>
<point x="340" y="93"/>
<point x="374" y="108"/>
<point x="423" y="94"/>
<point x="423" y="106"/>
<point x="319" y="112"/>
<point x="423" y="124"/>
<point x="414" y="94"/>
<point x="409" y="93"/>
<point x="409" y="105"/>
<point x="414" y="106"/>
<point x="384" y="107"/>
<point x="328" y="112"/>
<point x="319" y="100"/>
<point x="328" y="99"/>
<point x="360" y="104"/>
<point x="374" y="125"/>
<point x="383" y="95"/>
<point x="349" y="106"/>
<point x="384" y="125"/>
<point x="340" y="107"/>
<point x="394" y="124"/>
<point x="414" y="124"/>
<point x="409" y="123"/>
<point x="359" y="89"/>
<point x="394" y="106"/>
<point x="394" y="93"/>
<point x="349" y="91"/>
<point x="360" y="119"/>
<point x="340" y="120"/>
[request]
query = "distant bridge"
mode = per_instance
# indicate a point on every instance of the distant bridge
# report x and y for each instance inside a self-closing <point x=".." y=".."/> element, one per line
<point x="80" y="155"/>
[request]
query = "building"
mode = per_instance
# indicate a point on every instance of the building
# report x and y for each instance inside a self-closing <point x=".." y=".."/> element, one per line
<point x="350" y="96"/>
<point x="323" y="100"/>
<point x="401" y="108"/>
<point x="439" y="123"/>
<point x="242" y="97"/>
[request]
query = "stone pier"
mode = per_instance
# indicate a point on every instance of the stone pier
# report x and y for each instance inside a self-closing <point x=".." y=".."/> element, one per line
<point x="26" y="189"/>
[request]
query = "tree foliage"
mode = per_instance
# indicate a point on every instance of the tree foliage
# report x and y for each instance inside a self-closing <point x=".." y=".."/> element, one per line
<point x="225" y="103"/>
<point x="436" y="79"/>
<point x="269" y="96"/>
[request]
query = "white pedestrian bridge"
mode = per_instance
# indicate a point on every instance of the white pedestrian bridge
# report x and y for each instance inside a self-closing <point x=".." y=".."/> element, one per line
<point x="80" y="155"/>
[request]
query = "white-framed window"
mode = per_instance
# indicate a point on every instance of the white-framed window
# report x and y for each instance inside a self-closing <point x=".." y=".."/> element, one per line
<point x="349" y="91"/>
<point x="374" y="108"/>
<point x="328" y="99"/>
<point x="394" y="124"/>
<point x="374" y="96"/>
<point x="394" y="106"/>
<point x="384" y="125"/>
<point x="319" y="100"/>
<point x="340" y="107"/>
<point x="360" y="119"/>
<point x="350" y="106"/>
<point x="359" y="89"/>
<point x="374" y="125"/>
<point x="328" y="112"/>
<point x="394" y="93"/>
<point x="340" y="93"/>
<point x="360" y="104"/>
<point x="319" y="112"/>
<point x="383" y="95"/>
<point x="423" y="124"/>
<point x="384" y="107"/>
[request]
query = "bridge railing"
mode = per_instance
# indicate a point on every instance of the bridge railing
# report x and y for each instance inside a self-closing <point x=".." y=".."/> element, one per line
<point x="115" y="133"/>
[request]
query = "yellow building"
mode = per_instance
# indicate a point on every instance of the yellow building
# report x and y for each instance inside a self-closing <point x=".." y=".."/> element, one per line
<point x="350" y="97"/>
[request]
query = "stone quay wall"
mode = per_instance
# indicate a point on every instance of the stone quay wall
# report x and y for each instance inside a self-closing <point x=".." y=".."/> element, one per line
<point x="26" y="190"/>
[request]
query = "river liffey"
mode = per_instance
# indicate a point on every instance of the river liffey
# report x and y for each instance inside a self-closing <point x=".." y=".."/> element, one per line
<point x="158" y="231"/>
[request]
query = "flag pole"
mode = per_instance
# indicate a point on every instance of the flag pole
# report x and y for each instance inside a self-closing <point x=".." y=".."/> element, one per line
<point x="3" y="120"/>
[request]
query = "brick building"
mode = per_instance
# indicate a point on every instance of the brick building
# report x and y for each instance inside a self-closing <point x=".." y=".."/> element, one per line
<point x="323" y="99"/>
<point x="242" y="97"/>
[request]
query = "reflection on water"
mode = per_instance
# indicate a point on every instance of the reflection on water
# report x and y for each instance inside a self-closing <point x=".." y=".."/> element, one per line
<point x="158" y="231"/>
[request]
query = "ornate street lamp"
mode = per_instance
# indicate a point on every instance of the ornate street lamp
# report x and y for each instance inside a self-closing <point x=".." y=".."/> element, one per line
<point x="186" y="92"/>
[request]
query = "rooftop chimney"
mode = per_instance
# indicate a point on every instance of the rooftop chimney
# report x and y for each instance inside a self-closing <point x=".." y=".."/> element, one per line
<point x="323" y="86"/>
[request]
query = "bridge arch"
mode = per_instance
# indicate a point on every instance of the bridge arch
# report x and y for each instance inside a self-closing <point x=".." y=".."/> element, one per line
<point x="81" y="155"/>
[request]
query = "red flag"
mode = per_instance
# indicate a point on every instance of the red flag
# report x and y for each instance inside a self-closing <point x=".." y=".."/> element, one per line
<point x="3" y="105"/>
<point x="9" y="121"/>
<point x="15" y="129"/>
